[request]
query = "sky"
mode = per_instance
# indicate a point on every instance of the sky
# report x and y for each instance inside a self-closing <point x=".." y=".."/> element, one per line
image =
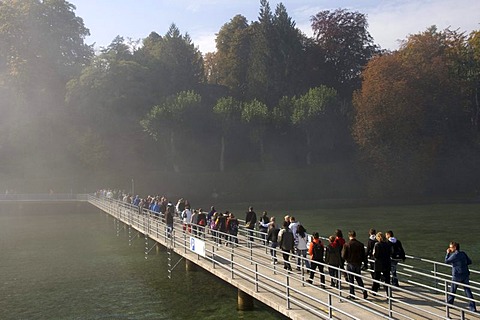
<point x="390" y="21"/>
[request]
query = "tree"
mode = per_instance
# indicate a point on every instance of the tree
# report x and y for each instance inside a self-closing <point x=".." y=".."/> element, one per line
<point x="228" y="111"/>
<point x="256" y="115"/>
<point x="288" y="56"/>
<point x="260" y="72"/>
<point x="107" y="100"/>
<point x="410" y="112"/>
<point x="345" y="46"/>
<point x="168" y="121"/>
<point x="41" y="48"/>
<point x="233" y="48"/>
<point x="309" y="111"/>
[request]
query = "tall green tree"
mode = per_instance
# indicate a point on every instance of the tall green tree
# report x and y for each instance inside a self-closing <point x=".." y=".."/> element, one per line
<point x="107" y="100"/>
<point x="308" y="112"/>
<point x="171" y="121"/>
<point x="233" y="48"/>
<point x="41" y="48"/>
<point x="228" y="111"/>
<point x="260" y="73"/>
<point x="255" y="113"/>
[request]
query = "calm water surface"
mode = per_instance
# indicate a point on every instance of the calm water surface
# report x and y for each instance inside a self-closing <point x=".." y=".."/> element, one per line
<point x="65" y="261"/>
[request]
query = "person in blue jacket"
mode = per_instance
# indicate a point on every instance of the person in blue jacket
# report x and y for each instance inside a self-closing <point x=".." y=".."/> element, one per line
<point x="460" y="273"/>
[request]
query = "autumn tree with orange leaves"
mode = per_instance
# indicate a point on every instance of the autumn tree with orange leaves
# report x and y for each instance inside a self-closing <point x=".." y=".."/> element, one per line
<point x="411" y="114"/>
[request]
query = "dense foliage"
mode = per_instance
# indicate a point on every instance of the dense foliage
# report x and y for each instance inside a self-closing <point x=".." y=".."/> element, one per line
<point x="269" y="99"/>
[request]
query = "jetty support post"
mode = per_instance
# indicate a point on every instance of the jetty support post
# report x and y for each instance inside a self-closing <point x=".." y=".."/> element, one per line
<point x="245" y="301"/>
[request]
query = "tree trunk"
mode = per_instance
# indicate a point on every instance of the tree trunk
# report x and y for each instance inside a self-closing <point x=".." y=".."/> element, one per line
<point x="308" y="158"/>
<point x="173" y="152"/>
<point x="222" y="155"/>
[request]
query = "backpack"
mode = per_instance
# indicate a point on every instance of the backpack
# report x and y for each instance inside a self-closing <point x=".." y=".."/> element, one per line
<point x="317" y="251"/>
<point x="201" y="219"/>
<point x="233" y="225"/>
<point x="398" y="252"/>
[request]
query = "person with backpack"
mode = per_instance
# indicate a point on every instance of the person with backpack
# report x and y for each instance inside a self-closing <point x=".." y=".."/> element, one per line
<point x="232" y="228"/>
<point x="286" y="242"/>
<point x="398" y="254"/>
<point x="201" y="222"/>
<point x="221" y="227"/>
<point x="333" y="258"/>
<point x="316" y="251"/>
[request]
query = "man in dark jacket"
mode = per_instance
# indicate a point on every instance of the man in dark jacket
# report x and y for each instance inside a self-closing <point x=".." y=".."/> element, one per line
<point x="353" y="253"/>
<point x="285" y="241"/>
<point x="382" y="252"/>
<point x="250" y="221"/>
<point x="460" y="273"/>
<point x="398" y="254"/>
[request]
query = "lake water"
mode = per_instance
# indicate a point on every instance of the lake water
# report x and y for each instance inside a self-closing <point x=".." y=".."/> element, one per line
<point x="425" y="230"/>
<point x="65" y="261"/>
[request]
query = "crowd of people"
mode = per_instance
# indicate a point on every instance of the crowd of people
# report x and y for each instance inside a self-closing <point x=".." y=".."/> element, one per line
<point x="381" y="254"/>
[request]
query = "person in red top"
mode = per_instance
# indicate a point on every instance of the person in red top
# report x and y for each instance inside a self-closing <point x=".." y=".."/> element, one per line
<point x="316" y="251"/>
<point x="339" y="243"/>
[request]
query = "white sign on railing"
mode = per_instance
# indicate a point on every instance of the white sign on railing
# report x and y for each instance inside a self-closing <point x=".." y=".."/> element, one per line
<point x="197" y="246"/>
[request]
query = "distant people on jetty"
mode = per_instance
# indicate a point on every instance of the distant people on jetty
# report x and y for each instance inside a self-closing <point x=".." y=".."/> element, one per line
<point x="460" y="273"/>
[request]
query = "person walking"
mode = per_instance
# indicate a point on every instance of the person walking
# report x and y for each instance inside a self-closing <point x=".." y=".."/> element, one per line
<point x="250" y="221"/>
<point x="398" y="254"/>
<point x="333" y="258"/>
<point x="370" y="245"/>
<point x="263" y="224"/>
<point x="302" y="248"/>
<point x="382" y="255"/>
<point x="316" y="251"/>
<point x="285" y="241"/>
<point x="232" y="228"/>
<point x="460" y="273"/>
<point x="353" y="253"/>
<point x="272" y="236"/>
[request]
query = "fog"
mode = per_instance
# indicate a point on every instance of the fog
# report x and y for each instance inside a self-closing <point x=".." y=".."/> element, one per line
<point x="232" y="126"/>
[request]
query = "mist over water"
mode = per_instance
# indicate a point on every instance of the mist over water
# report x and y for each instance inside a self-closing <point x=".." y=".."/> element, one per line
<point x="65" y="261"/>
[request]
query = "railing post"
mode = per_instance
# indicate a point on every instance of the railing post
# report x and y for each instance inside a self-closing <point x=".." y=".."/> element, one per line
<point x="330" y="310"/>
<point x="390" y="304"/>
<point x="256" y="277"/>
<point x="288" y="290"/>
<point x="231" y="264"/>
<point x="447" y="307"/>
<point x="213" y="255"/>
<point x="435" y="281"/>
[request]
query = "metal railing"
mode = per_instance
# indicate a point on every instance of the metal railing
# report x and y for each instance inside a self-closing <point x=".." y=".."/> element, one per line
<point x="44" y="197"/>
<point x="425" y="295"/>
